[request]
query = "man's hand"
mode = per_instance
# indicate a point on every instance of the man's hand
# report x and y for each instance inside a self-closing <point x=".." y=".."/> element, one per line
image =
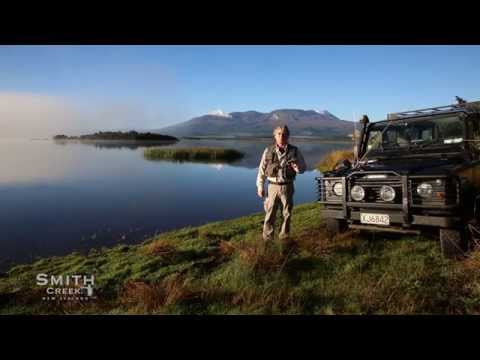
<point x="295" y="167"/>
<point x="260" y="193"/>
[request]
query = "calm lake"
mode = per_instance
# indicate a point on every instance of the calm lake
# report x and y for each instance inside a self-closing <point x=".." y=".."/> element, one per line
<point x="58" y="198"/>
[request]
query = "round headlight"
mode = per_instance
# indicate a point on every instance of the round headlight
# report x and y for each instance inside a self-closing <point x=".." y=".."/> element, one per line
<point x="357" y="193"/>
<point x="387" y="193"/>
<point x="425" y="190"/>
<point x="338" y="189"/>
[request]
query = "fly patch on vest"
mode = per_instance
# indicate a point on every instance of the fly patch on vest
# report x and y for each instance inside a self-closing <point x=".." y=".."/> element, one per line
<point x="278" y="165"/>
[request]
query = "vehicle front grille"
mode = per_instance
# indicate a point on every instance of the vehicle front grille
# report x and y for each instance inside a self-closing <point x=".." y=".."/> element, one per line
<point x="372" y="189"/>
<point x="444" y="193"/>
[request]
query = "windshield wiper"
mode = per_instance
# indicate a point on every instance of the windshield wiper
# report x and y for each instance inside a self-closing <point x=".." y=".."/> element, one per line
<point x="396" y="147"/>
<point x="425" y="143"/>
<point x="432" y="142"/>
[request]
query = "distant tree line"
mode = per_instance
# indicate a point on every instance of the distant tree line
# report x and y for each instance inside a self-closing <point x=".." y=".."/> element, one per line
<point x="117" y="135"/>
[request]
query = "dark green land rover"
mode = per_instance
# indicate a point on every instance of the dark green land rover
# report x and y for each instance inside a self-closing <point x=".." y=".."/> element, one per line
<point x="416" y="169"/>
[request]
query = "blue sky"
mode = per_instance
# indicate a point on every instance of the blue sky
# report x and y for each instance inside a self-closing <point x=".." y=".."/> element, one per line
<point x="167" y="84"/>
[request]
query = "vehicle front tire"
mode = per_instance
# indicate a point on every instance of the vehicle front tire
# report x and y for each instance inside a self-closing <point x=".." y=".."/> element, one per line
<point x="335" y="227"/>
<point x="452" y="243"/>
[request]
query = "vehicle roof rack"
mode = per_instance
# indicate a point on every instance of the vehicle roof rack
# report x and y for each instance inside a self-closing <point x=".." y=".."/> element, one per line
<point x="427" y="111"/>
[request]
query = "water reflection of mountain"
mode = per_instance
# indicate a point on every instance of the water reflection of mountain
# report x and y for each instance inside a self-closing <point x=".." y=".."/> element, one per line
<point x="312" y="152"/>
<point x="118" y="144"/>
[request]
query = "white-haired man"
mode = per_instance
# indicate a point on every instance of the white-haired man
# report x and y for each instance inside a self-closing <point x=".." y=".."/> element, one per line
<point x="280" y="164"/>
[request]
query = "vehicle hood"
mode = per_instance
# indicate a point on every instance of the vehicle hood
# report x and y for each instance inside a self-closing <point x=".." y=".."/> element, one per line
<point x="414" y="166"/>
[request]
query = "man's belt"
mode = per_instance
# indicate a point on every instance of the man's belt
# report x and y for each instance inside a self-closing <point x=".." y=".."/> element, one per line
<point x="280" y="183"/>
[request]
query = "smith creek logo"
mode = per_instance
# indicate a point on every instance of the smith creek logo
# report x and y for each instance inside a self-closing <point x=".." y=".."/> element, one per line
<point x="67" y="287"/>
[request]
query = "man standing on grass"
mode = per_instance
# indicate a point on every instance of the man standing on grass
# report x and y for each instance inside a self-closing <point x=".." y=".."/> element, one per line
<point x="280" y="163"/>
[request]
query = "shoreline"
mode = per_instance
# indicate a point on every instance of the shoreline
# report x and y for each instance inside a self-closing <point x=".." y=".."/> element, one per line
<point x="267" y="139"/>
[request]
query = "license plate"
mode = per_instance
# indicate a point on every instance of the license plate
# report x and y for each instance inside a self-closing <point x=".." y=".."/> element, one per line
<point x="377" y="219"/>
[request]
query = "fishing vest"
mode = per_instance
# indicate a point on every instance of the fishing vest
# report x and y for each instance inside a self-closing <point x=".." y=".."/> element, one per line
<point x="274" y="167"/>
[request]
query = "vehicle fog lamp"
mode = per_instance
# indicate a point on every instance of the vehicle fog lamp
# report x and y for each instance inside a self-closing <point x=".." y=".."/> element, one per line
<point x="425" y="190"/>
<point x="387" y="193"/>
<point x="357" y="193"/>
<point x="338" y="189"/>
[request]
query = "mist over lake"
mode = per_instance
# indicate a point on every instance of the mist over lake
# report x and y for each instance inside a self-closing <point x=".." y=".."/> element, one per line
<point x="62" y="197"/>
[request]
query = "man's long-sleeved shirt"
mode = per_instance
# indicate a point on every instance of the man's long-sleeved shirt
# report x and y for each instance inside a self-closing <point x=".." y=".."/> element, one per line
<point x="282" y="157"/>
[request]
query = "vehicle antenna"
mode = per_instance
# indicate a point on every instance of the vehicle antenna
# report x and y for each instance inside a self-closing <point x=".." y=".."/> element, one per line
<point x="355" y="152"/>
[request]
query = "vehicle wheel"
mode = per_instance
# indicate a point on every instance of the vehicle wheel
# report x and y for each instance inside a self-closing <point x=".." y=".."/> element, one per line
<point x="452" y="243"/>
<point x="335" y="227"/>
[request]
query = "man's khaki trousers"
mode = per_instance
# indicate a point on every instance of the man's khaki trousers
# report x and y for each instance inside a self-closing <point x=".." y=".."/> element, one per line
<point x="278" y="196"/>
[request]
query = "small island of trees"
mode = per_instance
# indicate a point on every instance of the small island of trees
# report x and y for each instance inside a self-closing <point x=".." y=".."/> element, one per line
<point x="118" y="135"/>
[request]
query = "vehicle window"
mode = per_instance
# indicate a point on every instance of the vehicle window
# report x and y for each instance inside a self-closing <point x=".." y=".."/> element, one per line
<point x="417" y="132"/>
<point x="450" y="128"/>
<point x="374" y="139"/>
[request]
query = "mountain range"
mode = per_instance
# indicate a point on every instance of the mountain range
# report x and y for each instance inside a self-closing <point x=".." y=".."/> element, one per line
<point x="253" y="123"/>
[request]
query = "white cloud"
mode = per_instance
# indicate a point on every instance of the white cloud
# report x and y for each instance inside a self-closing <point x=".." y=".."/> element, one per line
<point x="27" y="115"/>
<point x="219" y="112"/>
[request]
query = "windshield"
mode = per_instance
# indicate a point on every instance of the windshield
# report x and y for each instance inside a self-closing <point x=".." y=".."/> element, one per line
<point x="418" y="133"/>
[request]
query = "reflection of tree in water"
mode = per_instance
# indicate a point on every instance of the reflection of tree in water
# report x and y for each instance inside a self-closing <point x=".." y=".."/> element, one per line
<point x="117" y="144"/>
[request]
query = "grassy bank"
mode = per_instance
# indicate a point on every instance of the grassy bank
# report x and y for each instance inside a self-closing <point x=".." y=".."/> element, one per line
<point x="201" y="154"/>
<point x="219" y="268"/>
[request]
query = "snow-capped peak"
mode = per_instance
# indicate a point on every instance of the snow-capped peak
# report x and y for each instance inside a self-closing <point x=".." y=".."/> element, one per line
<point x="219" y="112"/>
<point x="321" y="112"/>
